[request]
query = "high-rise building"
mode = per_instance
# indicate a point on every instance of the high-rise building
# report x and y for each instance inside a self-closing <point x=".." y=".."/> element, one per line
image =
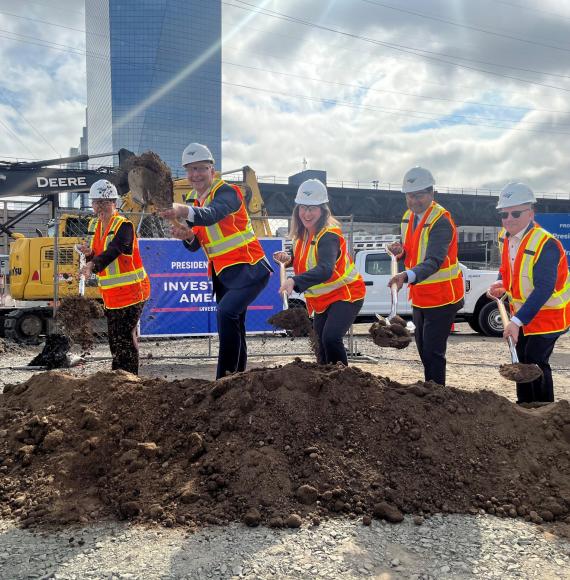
<point x="153" y="76"/>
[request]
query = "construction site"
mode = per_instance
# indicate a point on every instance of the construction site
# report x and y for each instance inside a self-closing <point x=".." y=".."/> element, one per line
<point x="211" y="372"/>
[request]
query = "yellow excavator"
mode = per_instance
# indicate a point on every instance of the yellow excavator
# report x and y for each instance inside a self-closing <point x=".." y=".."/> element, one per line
<point x="32" y="265"/>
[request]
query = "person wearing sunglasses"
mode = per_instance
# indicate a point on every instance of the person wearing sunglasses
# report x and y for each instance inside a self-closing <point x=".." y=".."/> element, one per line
<point x="534" y="274"/>
<point x="217" y="221"/>
<point x="435" y="281"/>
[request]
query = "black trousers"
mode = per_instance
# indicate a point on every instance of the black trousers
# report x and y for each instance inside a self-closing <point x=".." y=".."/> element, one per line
<point x="122" y="329"/>
<point x="536" y="349"/>
<point x="330" y="327"/>
<point x="433" y="327"/>
<point x="232" y="309"/>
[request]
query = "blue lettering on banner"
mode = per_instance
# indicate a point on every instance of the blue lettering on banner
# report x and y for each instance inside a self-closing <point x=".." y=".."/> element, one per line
<point x="182" y="301"/>
<point x="558" y="224"/>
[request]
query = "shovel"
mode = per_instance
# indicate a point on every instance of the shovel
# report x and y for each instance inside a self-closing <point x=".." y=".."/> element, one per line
<point x="294" y="320"/>
<point x="282" y="279"/>
<point x="516" y="371"/>
<point x="392" y="332"/>
<point x="394" y="299"/>
<point x="82" y="263"/>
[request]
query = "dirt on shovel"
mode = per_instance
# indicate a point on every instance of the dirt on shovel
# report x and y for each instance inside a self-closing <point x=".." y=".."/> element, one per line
<point x="76" y="313"/>
<point x="520" y="372"/>
<point x="396" y="335"/>
<point x="293" y="320"/>
<point x="150" y="179"/>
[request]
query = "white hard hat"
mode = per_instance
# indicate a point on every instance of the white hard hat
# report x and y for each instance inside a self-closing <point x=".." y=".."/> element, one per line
<point x="102" y="189"/>
<point x="312" y="192"/>
<point x="196" y="152"/>
<point x="515" y="194"/>
<point x="417" y="179"/>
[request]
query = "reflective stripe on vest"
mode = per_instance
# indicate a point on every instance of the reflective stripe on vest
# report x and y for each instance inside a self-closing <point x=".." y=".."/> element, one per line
<point x="519" y="279"/>
<point x="111" y="276"/>
<point x="350" y="274"/>
<point x="445" y="286"/>
<point x="218" y="243"/>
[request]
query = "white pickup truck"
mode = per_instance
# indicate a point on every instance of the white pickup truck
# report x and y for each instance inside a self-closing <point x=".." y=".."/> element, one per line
<point x="479" y="311"/>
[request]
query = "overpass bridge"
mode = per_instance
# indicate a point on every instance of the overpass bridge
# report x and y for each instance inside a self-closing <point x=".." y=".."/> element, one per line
<point x="388" y="206"/>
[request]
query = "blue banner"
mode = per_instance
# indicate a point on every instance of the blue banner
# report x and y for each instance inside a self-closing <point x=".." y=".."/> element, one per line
<point x="558" y="224"/>
<point x="181" y="300"/>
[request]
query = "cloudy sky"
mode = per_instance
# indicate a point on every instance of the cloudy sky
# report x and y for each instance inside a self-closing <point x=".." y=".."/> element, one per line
<point x="477" y="91"/>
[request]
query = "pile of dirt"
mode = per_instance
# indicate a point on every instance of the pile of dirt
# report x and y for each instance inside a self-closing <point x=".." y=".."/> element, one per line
<point x="150" y="179"/>
<point x="54" y="354"/>
<point x="76" y="314"/>
<point x="277" y="446"/>
<point x="394" y="335"/>
<point x="10" y="347"/>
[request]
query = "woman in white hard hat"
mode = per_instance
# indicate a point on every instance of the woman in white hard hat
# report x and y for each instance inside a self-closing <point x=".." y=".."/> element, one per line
<point x="114" y="257"/>
<point x="324" y="271"/>
<point x="534" y="274"/>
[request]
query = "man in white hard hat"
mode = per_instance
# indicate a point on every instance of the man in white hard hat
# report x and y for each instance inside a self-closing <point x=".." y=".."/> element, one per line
<point x="435" y="281"/>
<point x="534" y="274"/>
<point x="218" y="222"/>
<point x="114" y="257"/>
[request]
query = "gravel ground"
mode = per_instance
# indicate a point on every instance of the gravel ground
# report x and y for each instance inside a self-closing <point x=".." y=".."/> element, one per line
<point x="442" y="547"/>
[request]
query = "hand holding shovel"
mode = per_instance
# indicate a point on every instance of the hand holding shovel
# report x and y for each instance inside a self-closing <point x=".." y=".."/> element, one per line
<point x="516" y="371"/>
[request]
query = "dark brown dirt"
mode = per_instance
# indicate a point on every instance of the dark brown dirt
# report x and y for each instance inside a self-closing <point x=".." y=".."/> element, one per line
<point x="394" y="336"/>
<point x="76" y="313"/>
<point x="520" y="373"/>
<point x="7" y="346"/>
<point x="150" y="179"/>
<point x="294" y="320"/>
<point x="271" y="446"/>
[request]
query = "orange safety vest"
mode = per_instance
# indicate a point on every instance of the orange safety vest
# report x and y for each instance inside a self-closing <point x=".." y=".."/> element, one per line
<point x="231" y="240"/>
<point x="444" y="286"/>
<point x="554" y="316"/>
<point x="345" y="284"/>
<point x="124" y="281"/>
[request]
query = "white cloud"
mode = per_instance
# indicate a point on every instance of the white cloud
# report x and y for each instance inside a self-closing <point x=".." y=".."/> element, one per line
<point x="345" y="104"/>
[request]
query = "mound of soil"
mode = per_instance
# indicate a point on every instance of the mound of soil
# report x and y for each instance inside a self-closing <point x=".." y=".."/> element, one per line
<point x="520" y="372"/>
<point x="76" y="314"/>
<point x="54" y="354"/>
<point x="10" y="347"/>
<point x="396" y="335"/>
<point x="150" y="179"/>
<point x="274" y="446"/>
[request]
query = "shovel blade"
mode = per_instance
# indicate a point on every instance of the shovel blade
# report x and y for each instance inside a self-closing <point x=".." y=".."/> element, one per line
<point x="520" y="372"/>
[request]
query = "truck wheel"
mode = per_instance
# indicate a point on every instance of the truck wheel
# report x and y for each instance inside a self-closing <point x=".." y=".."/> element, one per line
<point x="490" y="321"/>
<point x="24" y="327"/>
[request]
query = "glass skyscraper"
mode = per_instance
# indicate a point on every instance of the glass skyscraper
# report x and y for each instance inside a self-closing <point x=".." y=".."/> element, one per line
<point x="154" y="76"/>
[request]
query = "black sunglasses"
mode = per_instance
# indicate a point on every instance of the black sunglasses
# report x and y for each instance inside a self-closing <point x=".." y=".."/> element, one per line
<point x="516" y="214"/>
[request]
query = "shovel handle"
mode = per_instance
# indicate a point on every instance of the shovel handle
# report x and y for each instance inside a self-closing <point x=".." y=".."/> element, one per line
<point x="393" y="287"/>
<point x="505" y="319"/>
<point x="82" y="263"/>
<point x="282" y="279"/>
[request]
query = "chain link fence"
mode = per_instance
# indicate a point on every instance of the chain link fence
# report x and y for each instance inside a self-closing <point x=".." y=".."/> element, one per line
<point x="179" y="320"/>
